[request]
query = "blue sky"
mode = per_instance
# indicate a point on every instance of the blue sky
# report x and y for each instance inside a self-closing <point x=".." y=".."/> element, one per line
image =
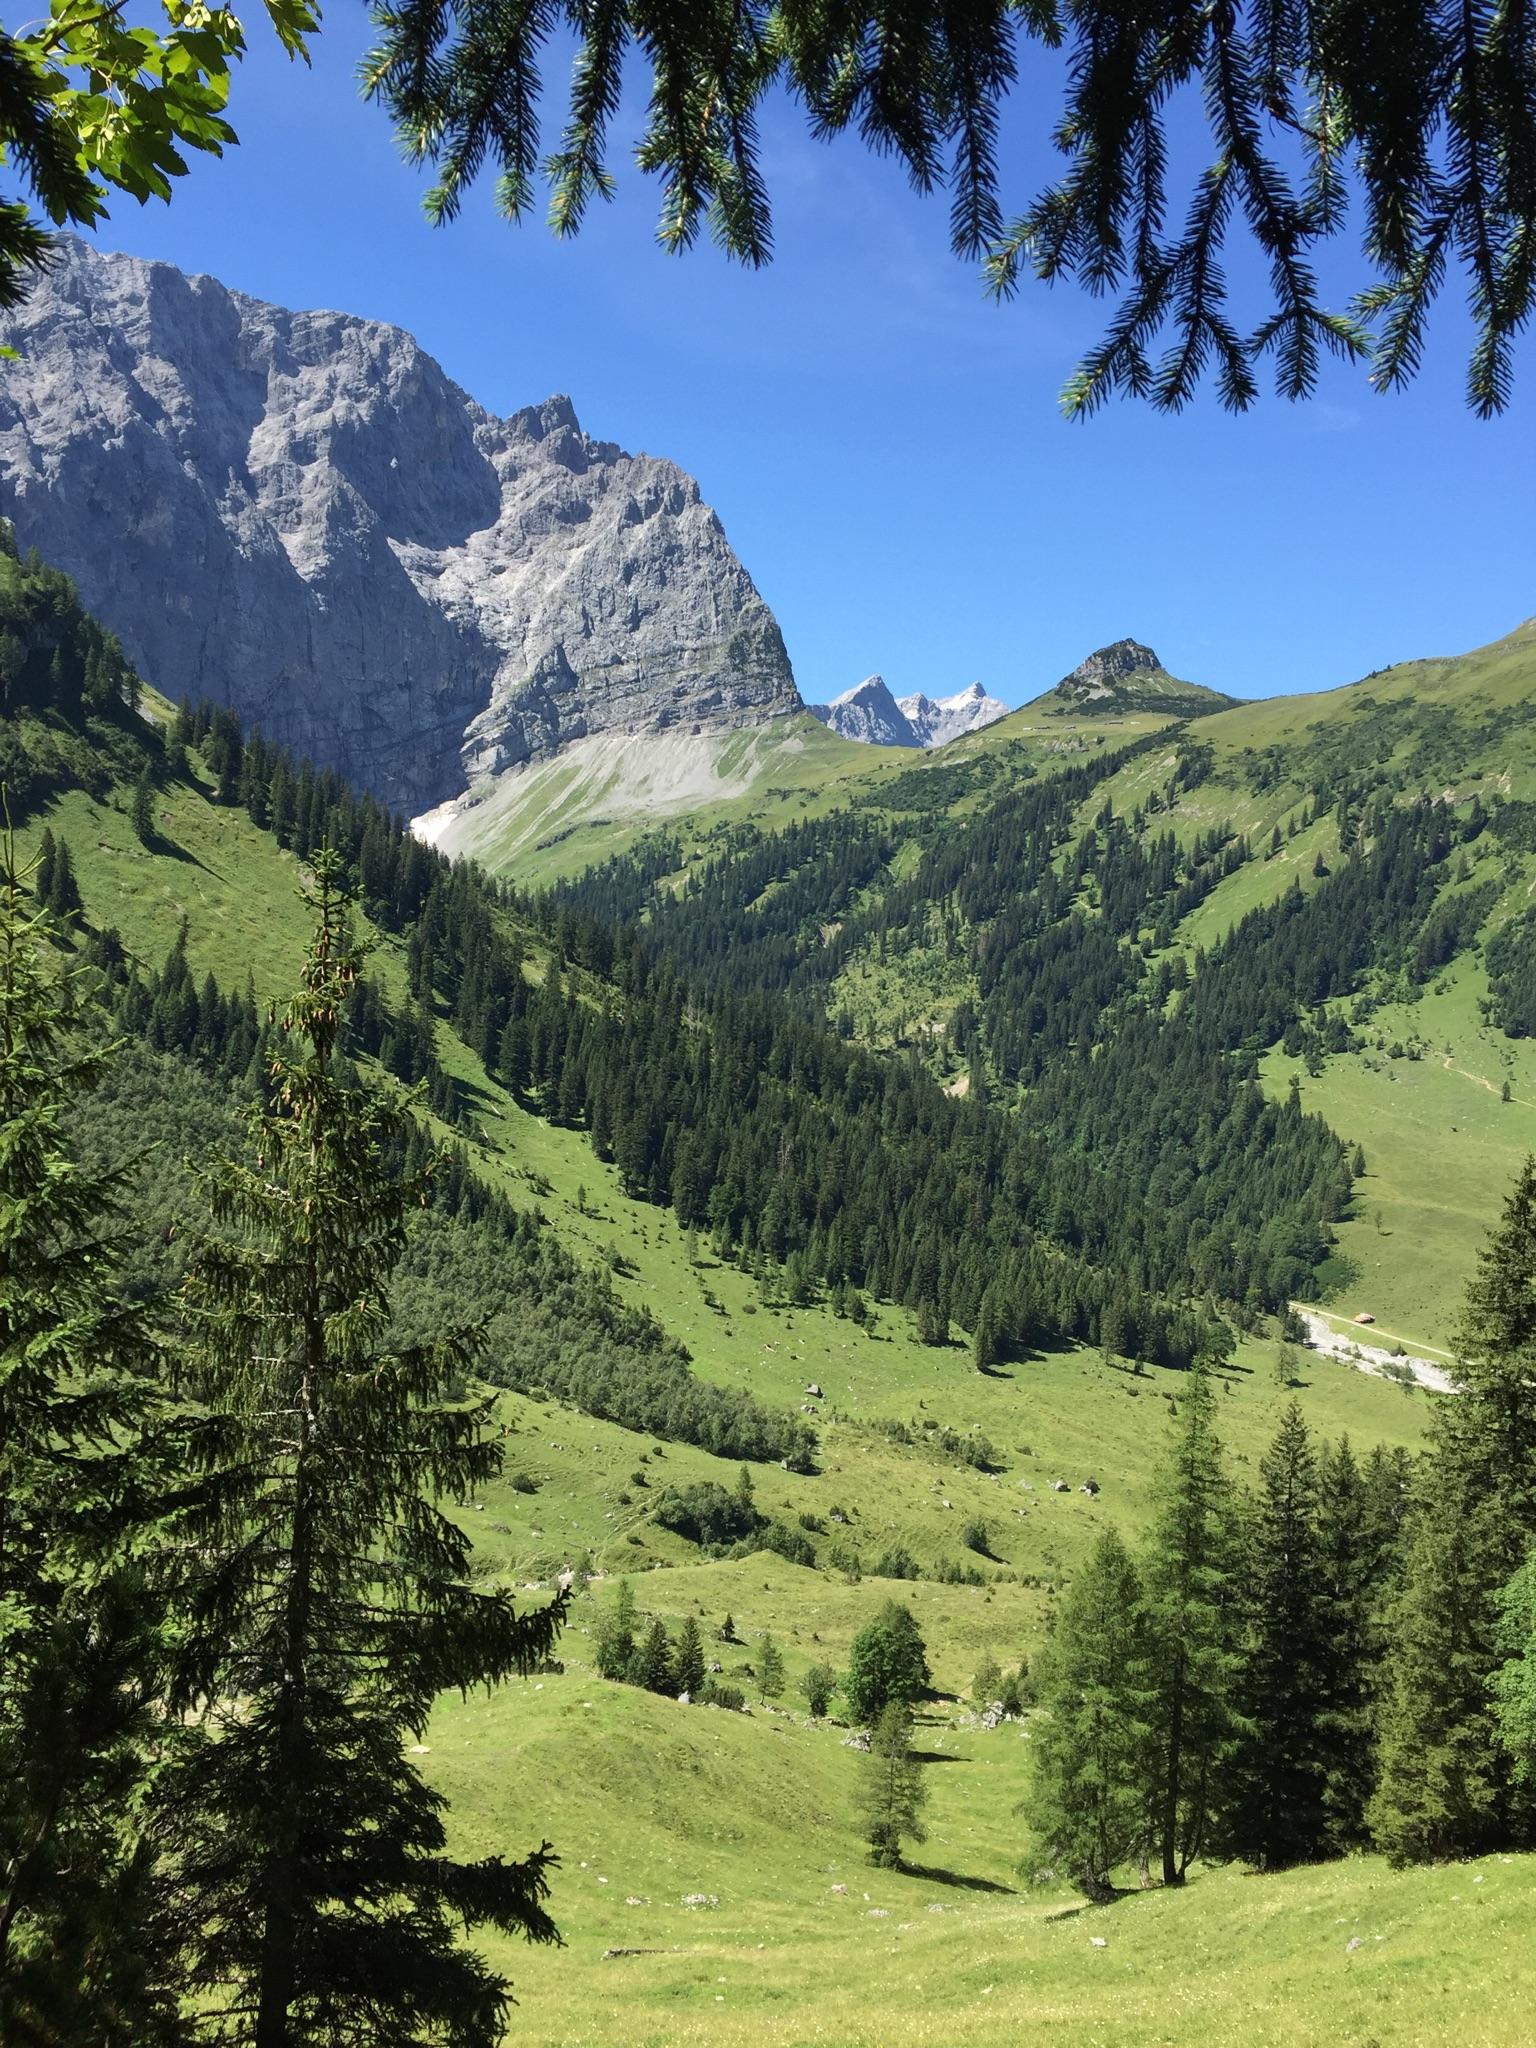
<point x="882" y="443"/>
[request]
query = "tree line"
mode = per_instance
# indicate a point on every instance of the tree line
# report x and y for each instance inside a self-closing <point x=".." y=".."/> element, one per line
<point x="1345" y="1660"/>
<point x="553" y="1323"/>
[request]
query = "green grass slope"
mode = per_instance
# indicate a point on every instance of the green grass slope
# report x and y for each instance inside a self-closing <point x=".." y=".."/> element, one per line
<point x="712" y="1890"/>
<point x="550" y="820"/>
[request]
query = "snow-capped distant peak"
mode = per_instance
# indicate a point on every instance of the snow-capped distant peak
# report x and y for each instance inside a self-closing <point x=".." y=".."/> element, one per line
<point x="870" y="713"/>
<point x="968" y="710"/>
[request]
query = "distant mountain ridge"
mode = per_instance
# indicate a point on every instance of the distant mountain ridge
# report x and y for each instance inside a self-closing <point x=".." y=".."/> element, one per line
<point x="300" y="514"/>
<point x="869" y="713"/>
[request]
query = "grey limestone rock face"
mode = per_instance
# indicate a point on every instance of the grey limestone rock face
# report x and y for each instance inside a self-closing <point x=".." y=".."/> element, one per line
<point x="1097" y="675"/>
<point x="868" y="712"/>
<point x="300" y="514"/>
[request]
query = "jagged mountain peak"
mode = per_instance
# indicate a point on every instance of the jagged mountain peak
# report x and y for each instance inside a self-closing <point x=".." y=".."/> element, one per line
<point x="968" y="710"/>
<point x="869" y="712"/>
<point x="365" y="562"/>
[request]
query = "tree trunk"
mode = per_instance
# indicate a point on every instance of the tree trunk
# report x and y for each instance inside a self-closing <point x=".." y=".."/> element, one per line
<point x="278" y="1972"/>
<point x="1172" y="1874"/>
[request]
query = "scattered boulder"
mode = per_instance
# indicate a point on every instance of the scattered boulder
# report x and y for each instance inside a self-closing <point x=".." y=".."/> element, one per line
<point x="1060" y="1486"/>
<point x="860" y="1740"/>
<point x="841" y="1890"/>
<point x="1097" y="1941"/>
<point x="694" y="1901"/>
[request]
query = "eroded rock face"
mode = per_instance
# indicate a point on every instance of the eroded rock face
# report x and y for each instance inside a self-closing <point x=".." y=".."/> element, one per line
<point x="1102" y="670"/>
<point x="868" y="712"/>
<point x="301" y="515"/>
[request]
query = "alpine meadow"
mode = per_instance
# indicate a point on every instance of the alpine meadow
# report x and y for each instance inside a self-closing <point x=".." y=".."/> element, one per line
<point x="697" y="1344"/>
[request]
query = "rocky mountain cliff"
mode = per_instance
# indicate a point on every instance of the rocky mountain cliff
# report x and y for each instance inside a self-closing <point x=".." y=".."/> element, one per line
<point x="870" y="713"/>
<point x="300" y="514"/>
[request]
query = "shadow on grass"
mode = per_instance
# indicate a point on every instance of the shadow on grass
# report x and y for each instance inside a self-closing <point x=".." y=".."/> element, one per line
<point x="163" y="847"/>
<point x="957" y="1880"/>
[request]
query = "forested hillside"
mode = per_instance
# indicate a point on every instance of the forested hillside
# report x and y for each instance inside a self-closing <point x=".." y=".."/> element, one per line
<point x="905" y="1202"/>
<point x="1110" y="942"/>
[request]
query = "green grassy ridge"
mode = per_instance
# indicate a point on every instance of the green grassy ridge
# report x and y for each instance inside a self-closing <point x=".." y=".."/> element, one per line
<point x="550" y="822"/>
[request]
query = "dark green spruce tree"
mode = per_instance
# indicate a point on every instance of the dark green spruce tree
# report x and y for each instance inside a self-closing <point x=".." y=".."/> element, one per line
<point x="891" y="1793"/>
<point x="688" y="1669"/>
<point x="331" y="1598"/>
<point x="1438" y="1791"/>
<point x="1279" y="1778"/>
<point x="653" y="1660"/>
<point x="144" y="806"/>
<point x="1355" y="1555"/>
<point x="1194" y="1623"/>
<point x="82" y="1649"/>
<point x="1445" y="1784"/>
<point x="63" y="896"/>
<point x="1092" y="1751"/>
